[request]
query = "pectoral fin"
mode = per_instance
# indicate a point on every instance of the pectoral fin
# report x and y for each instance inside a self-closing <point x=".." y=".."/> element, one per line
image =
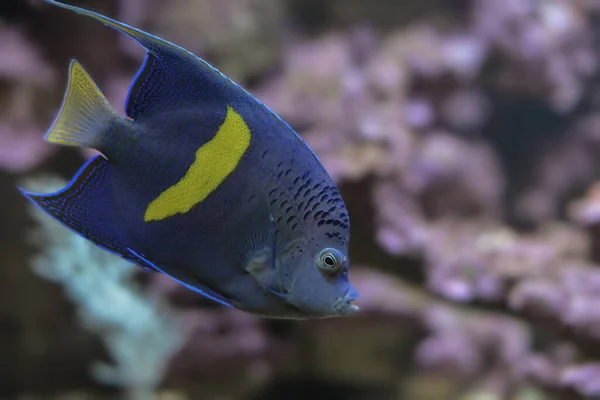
<point x="254" y="242"/>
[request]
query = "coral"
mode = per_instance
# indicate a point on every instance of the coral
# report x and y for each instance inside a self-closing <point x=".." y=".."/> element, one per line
<point x="565" y="166"/>
<point x="483" y="261"/>
<point x="24" y="77"/>
<point x="474" y="353"/>
<point x="139" y="330"/>
<point x="549" y="41"/>
<point x="239" y="36"/>
<point x="444" y="122"/>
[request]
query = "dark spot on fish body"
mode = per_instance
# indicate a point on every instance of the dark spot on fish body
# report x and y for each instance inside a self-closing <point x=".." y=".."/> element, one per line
<point x="294" y="226"/>
<point x="301" y="188"/>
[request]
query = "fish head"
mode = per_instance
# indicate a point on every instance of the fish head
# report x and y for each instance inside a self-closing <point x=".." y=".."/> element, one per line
<point x="320" y="286"/>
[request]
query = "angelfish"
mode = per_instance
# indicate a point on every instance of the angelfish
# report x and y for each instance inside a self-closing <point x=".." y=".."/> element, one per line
<point x="202" y="182"/>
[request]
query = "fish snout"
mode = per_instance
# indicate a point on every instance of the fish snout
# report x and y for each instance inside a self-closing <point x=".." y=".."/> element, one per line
<point x="344" y="304"/>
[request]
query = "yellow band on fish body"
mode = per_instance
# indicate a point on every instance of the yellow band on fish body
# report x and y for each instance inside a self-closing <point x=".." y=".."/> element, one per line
<point x="214" y="162"/>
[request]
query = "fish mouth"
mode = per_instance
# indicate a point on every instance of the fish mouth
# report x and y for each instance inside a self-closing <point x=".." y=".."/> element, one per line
<point x="345" y="305"/>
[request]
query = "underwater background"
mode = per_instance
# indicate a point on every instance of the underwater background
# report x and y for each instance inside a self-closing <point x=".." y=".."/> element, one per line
<point x="465" y="138"/>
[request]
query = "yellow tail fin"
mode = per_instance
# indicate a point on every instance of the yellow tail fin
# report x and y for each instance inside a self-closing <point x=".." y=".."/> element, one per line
<point x="85" y="114"/>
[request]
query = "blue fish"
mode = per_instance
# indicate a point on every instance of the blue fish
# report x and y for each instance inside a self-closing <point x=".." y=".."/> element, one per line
<point x="203" y="183"/>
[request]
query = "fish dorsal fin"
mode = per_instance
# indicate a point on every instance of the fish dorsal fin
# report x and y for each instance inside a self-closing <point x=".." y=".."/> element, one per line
<point x="170" y="75"/>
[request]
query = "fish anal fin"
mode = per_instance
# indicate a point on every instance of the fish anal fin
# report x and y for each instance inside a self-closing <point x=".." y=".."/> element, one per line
<point x="86" y="206"/>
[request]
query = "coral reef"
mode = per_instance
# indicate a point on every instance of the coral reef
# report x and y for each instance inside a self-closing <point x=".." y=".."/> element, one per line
<point x="464" y="136"/>
<point x="24" y="78"/>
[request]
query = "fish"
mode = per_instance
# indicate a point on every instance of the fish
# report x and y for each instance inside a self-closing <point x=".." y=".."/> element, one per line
<point x="202" y="182"/>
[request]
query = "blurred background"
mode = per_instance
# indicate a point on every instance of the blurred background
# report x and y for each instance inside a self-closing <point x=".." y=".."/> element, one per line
<point x="465" y="137"/>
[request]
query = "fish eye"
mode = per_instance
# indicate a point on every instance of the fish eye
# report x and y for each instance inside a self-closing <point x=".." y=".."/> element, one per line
<point x="330" y="260"/>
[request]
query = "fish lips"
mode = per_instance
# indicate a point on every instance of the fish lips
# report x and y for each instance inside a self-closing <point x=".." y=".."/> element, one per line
<point x="345" y="306"/>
